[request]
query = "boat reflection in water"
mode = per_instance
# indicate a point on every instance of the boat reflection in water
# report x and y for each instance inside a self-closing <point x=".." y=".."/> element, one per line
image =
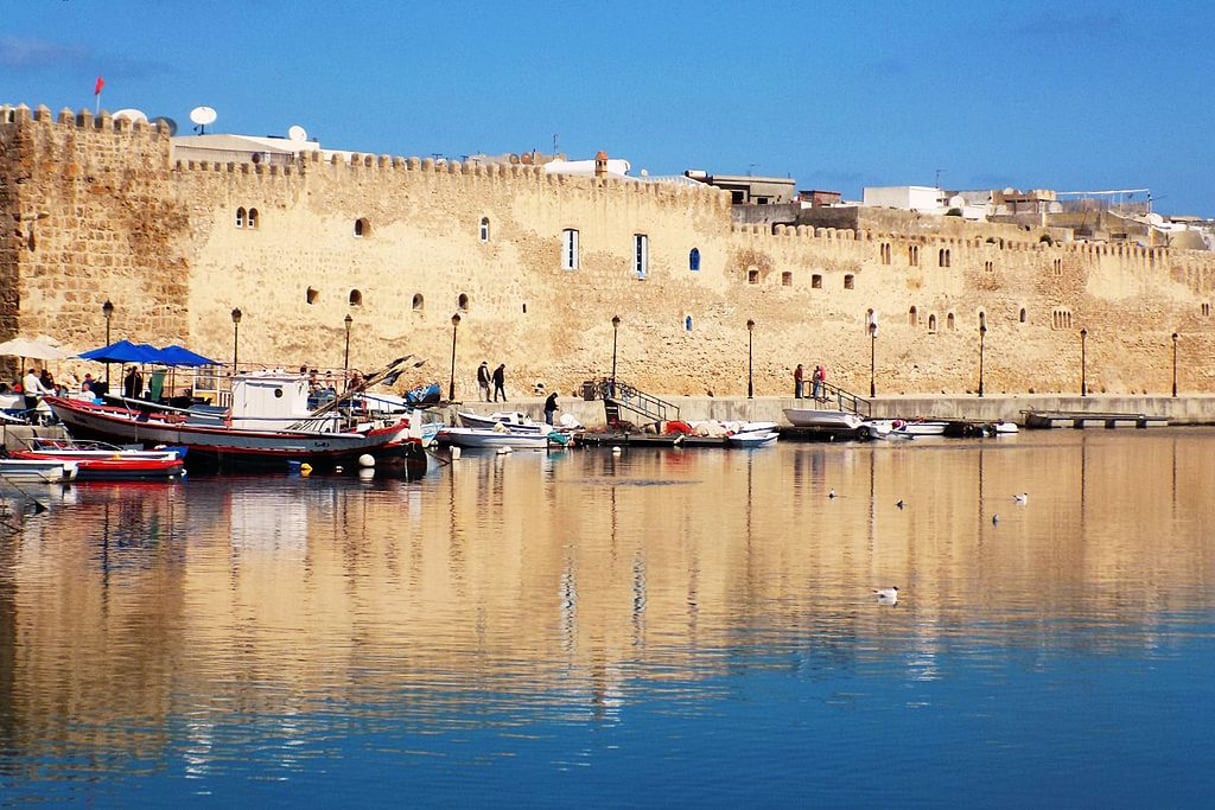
<point x="654" y="626"/>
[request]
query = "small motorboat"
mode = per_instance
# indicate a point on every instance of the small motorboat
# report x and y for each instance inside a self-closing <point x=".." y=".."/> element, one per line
<point x="920" y="427"/>
<point x="516" y="421"/>
<point x="752" y="438"/>
<point x="97" y="460"/>
<point x="33" y="470"/>
<point x="477" y="437"/>
<point x="823" y="418"/>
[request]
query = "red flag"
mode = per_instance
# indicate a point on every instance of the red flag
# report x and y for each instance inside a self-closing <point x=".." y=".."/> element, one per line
<point x="97" y="87"/>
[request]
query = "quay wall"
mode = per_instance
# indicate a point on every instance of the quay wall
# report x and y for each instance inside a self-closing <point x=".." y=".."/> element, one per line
<point x="99" y="209"/>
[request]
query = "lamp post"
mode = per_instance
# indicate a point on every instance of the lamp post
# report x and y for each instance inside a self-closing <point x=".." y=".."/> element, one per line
<point x="451" y="384"/>
<point x="750" y="364"/>
<point x="349" y="321"/>
<point x="236" y="314"/>
<point x="982" y="335"/>
<point x="107" y="309"/>
<point x="615" y="331"/>
<point x="1083" y="362"/>
<point x="1175" y="336"/>
<point x="872" y="358"/>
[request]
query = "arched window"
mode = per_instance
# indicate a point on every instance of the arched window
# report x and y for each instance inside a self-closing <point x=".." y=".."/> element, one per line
<point x="849" y="281"/>
<point x="356" y="298"/>
<point x="913" y="255"/>
<point x="752" y="275"/>
<point x="949" y="322"/>
<point x="312" y="295"/>
<point x="484" y="229"/>
<point x="932" y="323"/>
<point x="419" y="302"/>
<point x="240" y="217"/>
<point x="687" y="323"/>
<point x="913" y="317"/>
<point x="1024" y="316"/>
<point x="569" y="249"/>
<point x="462" y="302"/>
<point x="884" y="252"/>
<point x="786" y="279"/>
<point x="694" y="259"/>
<point x="253" y="218"/>
<point x="943" y="257"/>
<point x="362" y="227"/>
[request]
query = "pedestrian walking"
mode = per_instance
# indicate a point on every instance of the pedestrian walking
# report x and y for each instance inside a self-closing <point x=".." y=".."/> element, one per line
<point x="500" y="382"/>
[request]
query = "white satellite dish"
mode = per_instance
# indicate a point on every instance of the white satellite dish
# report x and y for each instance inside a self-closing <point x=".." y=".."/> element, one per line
<point x="202" y="116"/>
<point x="297" y="133"/>
<point x="132" y="115"/>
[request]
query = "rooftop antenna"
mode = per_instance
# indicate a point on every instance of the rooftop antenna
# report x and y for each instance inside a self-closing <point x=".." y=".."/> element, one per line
<point x="201" y="116"/>
<point x="938" y="181"/>
<point x="555" y="149"/>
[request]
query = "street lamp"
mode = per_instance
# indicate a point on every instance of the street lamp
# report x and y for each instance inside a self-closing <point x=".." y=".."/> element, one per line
<point x="872" y="357"/>
<point x="1083" y="363"/>
<point x="107" y="309"/>
<point x="615" y="330"/>
<point x="750" y="365"/>
<point x="349" y="321"/>
<point x="982" y="335"/>
<point x="236" y="313"/>
<point x="1175" y="336"/>
<point x="451" y="384"/>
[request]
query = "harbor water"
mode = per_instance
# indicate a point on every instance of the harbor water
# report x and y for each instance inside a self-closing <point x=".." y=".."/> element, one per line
<point x="649" y="628"/>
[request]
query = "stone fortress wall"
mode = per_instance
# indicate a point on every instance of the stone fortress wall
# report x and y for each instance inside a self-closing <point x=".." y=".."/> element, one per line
<point x="97" y="209"/>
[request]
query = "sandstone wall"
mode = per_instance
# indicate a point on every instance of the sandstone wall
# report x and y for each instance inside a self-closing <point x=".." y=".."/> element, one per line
<point x="97" y="209"/>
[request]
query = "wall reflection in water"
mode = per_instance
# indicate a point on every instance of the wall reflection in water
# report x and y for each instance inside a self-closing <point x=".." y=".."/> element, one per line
<point x="500" y="588"/>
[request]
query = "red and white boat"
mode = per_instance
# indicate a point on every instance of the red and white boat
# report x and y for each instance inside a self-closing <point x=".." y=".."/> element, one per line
<point x="267" y="429"/>
<point x="101" y="461"/>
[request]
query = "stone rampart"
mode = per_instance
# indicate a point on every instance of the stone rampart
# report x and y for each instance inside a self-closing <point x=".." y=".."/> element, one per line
<point x="96" y="208"/>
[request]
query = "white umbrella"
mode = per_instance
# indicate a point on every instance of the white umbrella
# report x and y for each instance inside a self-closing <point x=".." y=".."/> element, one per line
<point x="39" y="348"/>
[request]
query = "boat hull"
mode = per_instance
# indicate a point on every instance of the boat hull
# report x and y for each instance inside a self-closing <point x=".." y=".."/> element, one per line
<point x="475" y="438"/>
<point x="823" y="419"/>
<point x="214" y="448"/>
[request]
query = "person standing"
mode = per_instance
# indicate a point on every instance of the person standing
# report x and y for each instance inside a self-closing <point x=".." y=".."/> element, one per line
<point x="132" y="384"/>
<point x="550" y="407"/>
<point x="820" y="378"/>
<point x="500" y="382"/>
<point x="799" y="381"/>
<point x="483" y="379"/>
<point x="32" y="389"/>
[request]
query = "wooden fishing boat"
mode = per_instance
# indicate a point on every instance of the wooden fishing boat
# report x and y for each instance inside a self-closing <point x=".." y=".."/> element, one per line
<point x="103" y="461"/>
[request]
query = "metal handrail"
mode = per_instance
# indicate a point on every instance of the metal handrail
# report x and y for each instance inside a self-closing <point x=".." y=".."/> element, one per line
<point x="846" y="400"/>
<point x="633" y="399"/>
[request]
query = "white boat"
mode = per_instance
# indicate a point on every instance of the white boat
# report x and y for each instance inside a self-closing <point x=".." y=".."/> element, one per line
<point x="45" y="471"/>
<point x="476" y="437"/>
<point x="921" y="427"/>
<point x="823" y="418"/>
<point x="752" y="438"/>
<point x="1003" y="428"/>
<point x="516" y="421"/>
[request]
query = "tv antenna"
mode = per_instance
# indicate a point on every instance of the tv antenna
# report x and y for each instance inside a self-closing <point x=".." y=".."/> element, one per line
<point x="201" y="116"/>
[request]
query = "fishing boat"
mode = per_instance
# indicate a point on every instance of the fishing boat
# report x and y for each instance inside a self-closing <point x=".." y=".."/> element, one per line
<point x="103" y="461"/>
<point x="267" y="429"/>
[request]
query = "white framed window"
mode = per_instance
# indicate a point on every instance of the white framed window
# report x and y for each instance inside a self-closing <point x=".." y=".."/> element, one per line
<point x="569" y="249"/>
<point x="641" y="255"/>
<point x="484" y="229"/>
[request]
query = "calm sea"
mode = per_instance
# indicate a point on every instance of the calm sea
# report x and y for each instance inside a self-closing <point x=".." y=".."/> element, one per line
<point x="657" y="628"/>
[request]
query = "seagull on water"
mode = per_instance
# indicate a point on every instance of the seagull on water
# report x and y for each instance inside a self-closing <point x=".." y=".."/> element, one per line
<point x="887" y="596"/>
<point x="1021" y="499"/>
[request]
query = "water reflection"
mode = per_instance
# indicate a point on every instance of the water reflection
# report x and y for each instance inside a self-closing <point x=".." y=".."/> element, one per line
<point x="200" y="622"/>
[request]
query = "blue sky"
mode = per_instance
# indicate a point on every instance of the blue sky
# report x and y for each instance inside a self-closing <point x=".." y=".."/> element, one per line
<point x="1070" y="96"/>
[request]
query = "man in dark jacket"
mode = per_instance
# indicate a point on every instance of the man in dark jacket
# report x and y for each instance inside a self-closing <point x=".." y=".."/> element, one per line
<point x="499" y="382"/>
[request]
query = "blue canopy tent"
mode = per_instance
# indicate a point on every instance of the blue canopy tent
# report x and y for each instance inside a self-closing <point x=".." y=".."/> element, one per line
<point x="124" y="351"/>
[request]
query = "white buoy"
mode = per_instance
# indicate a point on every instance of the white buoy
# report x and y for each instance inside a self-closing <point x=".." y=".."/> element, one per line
<point x="616" y="450"/>
<point x="366" y="460"/>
